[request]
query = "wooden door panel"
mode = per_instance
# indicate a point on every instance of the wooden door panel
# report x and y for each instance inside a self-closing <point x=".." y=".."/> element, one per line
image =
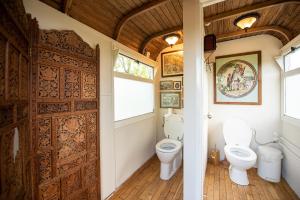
<point x="66" y="119"/>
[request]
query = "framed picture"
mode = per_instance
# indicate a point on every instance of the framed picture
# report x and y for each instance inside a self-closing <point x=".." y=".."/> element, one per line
<point x="170" y="100"/>
<point x="172" y="63"/>
<point x="237" y="79"/>
<point x="166" y="85"/>
<point x="177" y="85"/>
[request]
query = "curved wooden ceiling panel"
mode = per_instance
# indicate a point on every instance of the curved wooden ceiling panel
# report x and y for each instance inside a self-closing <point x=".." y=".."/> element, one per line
<point x="140" y="24"/>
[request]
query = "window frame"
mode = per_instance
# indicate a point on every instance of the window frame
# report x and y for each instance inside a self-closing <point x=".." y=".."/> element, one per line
<point x="284" y="75"/>
<point x="120" y="123"/>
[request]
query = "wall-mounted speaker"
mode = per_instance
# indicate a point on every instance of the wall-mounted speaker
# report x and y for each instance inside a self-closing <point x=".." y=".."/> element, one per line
<point x="210" y="42"/>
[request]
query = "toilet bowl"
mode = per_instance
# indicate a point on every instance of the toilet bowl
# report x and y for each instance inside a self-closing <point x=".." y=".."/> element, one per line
<point x="169" y="150"/>
<point x="238" y="135"/>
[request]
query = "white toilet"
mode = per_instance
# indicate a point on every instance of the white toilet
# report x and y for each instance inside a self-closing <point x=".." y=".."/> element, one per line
<point x="238" y="135"/>
<point x="169" y="150"/>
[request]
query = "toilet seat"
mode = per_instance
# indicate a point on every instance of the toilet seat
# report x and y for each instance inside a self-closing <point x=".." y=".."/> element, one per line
<point x="168" y="145"/>
<point x="242" y="153"/>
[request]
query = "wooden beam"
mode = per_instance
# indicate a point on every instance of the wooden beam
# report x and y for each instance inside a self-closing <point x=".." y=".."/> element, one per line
<point x="66" y="6"/>
<point x="259" y="30"/>
<point x="135" y="12"/>
<point x="158" y="34"/>
<point x="286" y="35"/>
<point x="248" y="9"/>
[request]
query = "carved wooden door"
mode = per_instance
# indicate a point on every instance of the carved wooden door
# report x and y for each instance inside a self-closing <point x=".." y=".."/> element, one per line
<point x="65" y="116"/>
<point x="15" y="148"/>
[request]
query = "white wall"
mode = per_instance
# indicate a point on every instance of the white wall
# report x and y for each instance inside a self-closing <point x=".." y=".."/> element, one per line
<point x="264" y="118"/>
<point x="135" y="144"/>
<point x="290" y="139"/>
<point x="115" y="166"/>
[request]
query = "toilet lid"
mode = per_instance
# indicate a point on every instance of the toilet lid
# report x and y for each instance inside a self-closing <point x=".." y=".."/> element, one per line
<point x="237" y="132"/>
<point x="173" y="126"/>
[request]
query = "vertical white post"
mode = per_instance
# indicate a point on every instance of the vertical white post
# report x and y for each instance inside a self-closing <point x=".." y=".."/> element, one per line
<point x="193" y="110"/>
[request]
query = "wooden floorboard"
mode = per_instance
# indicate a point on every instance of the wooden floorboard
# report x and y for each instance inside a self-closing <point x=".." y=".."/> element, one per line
<point x="145" y="184"/>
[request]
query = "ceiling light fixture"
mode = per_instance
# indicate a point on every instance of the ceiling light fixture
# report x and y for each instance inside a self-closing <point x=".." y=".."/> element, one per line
<point x="171" y="39"/>
<point x="246" y="21"/>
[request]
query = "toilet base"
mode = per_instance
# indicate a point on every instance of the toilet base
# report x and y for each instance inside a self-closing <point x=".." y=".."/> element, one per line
<point x="238" y="176"/>
<point x="167" y="170"/>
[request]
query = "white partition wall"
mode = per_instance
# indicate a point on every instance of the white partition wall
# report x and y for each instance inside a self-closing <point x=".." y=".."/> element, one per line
<point x="194" y="142"/>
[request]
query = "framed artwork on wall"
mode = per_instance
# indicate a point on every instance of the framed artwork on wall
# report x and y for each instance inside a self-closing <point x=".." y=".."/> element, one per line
<point x="172" y="63"/>
<point x="177" y="85"/>
<point x="166" y="85"/>
<point x="170" y="100"/>
<point x="237" y="79"/>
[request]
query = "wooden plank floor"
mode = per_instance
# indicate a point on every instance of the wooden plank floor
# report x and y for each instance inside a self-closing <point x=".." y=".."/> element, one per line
<point x="146" y="184"/>
<point x="218" y="186"/>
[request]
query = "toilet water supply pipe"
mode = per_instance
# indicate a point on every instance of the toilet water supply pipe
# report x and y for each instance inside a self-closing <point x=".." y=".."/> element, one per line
<point x="273" y="141"/>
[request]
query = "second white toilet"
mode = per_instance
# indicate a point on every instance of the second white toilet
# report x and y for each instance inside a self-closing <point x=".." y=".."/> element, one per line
<point x="238" y="135"/>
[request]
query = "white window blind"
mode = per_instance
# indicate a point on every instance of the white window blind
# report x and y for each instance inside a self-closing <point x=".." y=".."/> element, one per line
<point x="291" y="84"/>
<point x="133" y="88"/>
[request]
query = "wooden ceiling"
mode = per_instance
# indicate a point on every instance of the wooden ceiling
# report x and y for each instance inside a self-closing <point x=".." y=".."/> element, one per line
<point x="141" y="24"/>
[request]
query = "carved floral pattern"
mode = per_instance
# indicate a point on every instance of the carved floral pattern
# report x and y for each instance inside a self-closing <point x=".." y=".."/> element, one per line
<point x="70" y="184"/>
<point x="72" y="84"/>
<point x="48" y="108"/>
<point x="59" y="59"/>
<point x="50" y="191"/>
<point x="89" y="87"/>
<point x="85" y="105"/>
<point x="66" y="81"/>
<point x="44" y="133"/>
<point x="91" y="123"/>
<point x="48" y="82"/>
<point x="45" y="171"/>
<point x="90" y="174"/>
<point x="13" y="73"/>
<point x="64" y="167"/>
<point x="24" y="78"/>
<point x="70" y="136"/>
<point x="68" y="41"/>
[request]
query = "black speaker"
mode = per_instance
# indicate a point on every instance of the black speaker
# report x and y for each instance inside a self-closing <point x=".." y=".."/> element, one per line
<point x="210" y="42"/>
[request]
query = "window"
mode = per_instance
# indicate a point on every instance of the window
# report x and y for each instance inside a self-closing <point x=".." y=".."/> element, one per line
<point x="133" y="88"/>
<point x="291" y="77"/>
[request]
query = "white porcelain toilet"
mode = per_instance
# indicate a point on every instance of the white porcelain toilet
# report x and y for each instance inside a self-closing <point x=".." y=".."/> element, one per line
<point x="238" y="135"/>
<point x="169" y="150"/>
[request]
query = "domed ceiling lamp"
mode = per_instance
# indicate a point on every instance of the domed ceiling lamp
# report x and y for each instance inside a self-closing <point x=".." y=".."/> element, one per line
<point x="171" y="39"/>
<point x="246" y="21"/>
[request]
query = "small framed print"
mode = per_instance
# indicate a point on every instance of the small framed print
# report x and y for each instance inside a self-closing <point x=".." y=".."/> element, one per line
<point x="177" y="85"/>
<point x="170" y="100"/>
<point x="166" y="85"/>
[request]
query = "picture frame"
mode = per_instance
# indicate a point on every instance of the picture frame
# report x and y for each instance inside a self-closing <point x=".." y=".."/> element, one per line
<point x="166" y="85"/>
<point x="172" y="63"/>
<point x="177" y="85"/>
<point x="170" y="100"/>
<point x="237" y="79"/>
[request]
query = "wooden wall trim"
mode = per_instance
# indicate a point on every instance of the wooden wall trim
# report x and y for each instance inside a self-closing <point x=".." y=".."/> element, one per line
<point x="158" y="34"/>
<point x="66" y="6"/>
<point x="277" y="29"/>
<point x="247" y="9"/>
<point x="135" y="12"/>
